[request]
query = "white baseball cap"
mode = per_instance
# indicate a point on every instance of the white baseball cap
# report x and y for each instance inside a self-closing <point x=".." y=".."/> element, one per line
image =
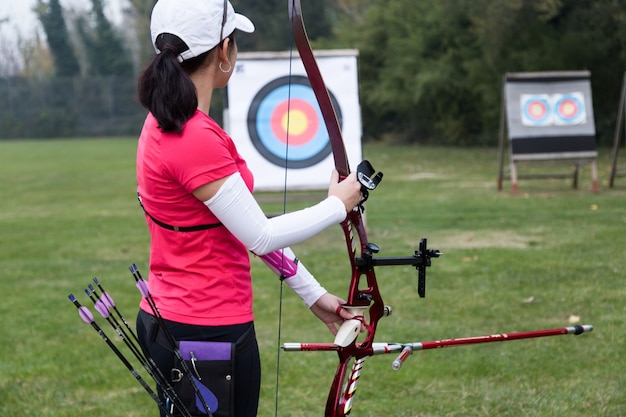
<point x="201" y="24"/>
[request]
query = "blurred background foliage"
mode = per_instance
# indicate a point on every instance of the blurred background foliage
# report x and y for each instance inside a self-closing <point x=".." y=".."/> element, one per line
<point x="430" y="71"/>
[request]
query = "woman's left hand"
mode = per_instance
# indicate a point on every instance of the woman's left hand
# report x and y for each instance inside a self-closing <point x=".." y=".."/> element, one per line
<point x="329" y="309"/>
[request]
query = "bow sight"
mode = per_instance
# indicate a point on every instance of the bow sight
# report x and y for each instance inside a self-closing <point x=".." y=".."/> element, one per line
<point x="420" y="260"/>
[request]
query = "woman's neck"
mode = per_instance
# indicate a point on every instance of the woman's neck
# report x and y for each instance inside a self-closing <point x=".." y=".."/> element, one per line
<point x="204" y="102"/>
<point x="203" y="80"/>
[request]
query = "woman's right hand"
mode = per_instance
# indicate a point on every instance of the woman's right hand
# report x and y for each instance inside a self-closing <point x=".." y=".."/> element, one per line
<point x="348" y="190"/>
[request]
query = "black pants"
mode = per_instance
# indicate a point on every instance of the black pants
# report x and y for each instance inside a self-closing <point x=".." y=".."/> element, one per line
<point x="247" y="360"/>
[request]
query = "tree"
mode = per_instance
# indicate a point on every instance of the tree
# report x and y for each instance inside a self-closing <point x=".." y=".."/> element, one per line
<point x="413" y="79"/>
<point x="272" y="32"/>
<point x="140" y="12"/>
<point x="539" y="35"/>
<point x="431" y="70"/>
<point x="9" y="59"/>
<point x="105" y="49"/>
<point x="35" y="57"/>
<point x="50" y="15"/>
<point x="273" y="29"/>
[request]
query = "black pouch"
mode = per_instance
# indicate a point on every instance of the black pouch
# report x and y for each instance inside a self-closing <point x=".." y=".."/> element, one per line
<point x="211" y="365"/>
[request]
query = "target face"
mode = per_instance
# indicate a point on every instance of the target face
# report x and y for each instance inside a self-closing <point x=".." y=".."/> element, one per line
<point x="553" y="109"/>
<point x="536" y="109"/>
<point x="285" y="123"/>
<point x="569" y="109"/>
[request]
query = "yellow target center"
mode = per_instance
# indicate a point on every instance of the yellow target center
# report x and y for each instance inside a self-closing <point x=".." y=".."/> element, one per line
<point x="296" y="121"/>
<point x="536" y="110"/>
<point x="568" y="109"/>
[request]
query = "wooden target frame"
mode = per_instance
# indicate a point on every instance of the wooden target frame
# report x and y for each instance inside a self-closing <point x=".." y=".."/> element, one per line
<point x="620" y="133"/>
<point x="547" y="117"/>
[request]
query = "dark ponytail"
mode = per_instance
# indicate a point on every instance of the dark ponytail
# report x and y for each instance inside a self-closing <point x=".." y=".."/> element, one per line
<point x="166" y="89"/>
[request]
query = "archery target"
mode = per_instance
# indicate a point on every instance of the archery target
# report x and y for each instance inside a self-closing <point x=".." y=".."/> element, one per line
<point x="569" y="109"/>
<point x="536" y="109"/>
<point x="549" y="115"/>
<point x="285" y="123"/>
<point x="263" y="114"/>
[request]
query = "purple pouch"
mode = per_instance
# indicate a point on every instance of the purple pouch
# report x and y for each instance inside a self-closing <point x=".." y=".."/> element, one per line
<point x="211" y="368"/>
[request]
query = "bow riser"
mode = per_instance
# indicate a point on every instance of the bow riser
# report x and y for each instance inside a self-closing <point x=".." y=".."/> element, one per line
<point x="357" y="296"/>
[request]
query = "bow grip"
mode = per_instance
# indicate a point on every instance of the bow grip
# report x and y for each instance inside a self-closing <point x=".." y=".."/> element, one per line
<point x="351" y="328"/>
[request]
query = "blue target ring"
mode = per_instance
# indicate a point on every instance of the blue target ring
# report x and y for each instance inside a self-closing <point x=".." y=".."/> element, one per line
<point x="285" y="111"/>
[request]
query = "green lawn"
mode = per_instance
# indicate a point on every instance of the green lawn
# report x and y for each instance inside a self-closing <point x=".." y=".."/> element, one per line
<point x="539" y="259"/>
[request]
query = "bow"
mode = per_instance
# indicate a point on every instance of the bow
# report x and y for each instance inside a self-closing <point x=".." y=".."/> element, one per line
<point x="363" y="300"/>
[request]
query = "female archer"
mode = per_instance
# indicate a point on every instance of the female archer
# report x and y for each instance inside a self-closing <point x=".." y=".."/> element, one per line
<point x="203" y="220"/>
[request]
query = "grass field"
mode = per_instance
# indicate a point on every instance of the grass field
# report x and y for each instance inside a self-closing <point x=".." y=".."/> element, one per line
<point x="546" y="257"/>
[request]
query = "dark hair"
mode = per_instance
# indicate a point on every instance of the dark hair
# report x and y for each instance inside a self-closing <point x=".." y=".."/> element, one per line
<point x="165" y="88"/>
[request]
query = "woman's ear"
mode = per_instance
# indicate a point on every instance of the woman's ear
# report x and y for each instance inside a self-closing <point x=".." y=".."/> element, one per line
<point x="223" y="50"/>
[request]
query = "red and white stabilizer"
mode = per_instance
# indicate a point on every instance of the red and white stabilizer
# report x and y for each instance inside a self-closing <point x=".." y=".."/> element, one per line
<point x="406" y="349"/>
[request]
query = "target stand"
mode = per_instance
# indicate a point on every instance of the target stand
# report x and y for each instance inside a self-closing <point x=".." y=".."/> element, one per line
<point x="547" y="118"/>
<point x="619" y="171"/>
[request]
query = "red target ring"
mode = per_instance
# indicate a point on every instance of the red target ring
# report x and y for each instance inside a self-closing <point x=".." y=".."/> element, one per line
<point x="537" y="110"/>
<point x="300" y="117"/>
<point x="568" y="108"/>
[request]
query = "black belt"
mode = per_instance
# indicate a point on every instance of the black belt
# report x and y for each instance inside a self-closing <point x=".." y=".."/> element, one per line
<point x="178" y="228"/>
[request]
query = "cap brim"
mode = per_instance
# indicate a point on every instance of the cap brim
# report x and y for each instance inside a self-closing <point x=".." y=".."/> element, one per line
<point x="243" y="24"/>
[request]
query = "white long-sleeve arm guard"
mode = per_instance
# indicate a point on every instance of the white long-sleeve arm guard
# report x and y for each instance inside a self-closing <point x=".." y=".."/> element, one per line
<point x="236" y="208"/>
<point x="285" y="264"/>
